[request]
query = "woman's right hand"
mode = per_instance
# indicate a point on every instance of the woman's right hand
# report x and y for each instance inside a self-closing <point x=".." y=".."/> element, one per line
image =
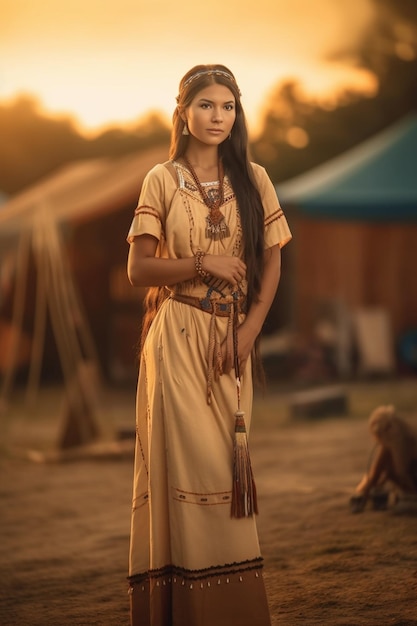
<point x="229" y="268"/>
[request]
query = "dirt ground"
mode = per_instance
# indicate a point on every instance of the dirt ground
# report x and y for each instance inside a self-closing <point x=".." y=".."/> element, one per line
<point x="64" y="526"/>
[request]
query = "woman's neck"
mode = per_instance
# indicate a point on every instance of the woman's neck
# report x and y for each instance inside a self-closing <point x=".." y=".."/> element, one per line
<point x="203" y="159"/>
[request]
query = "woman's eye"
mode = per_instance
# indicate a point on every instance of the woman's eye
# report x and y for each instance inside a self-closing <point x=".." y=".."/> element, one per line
<point x="229" y="107"/>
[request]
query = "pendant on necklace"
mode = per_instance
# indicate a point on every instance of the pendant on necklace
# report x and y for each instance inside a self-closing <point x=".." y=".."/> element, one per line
<point x="216" y="229"/>
<point x="216" y="226"/>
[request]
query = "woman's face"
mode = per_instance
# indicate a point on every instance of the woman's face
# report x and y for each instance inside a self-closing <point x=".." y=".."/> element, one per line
<point x="211" y="115"/>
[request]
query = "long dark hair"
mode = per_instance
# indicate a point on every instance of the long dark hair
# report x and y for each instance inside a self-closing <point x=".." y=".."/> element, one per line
<point x="235" y="155"/>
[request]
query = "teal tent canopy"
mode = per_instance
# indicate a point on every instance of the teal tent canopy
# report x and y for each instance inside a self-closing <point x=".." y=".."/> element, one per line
<point x="375" y="181"/>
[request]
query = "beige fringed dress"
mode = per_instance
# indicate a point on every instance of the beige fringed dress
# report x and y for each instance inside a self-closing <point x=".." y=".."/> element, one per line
<point x="191" y="563"/>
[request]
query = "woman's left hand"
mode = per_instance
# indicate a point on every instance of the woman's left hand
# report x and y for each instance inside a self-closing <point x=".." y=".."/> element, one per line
<point x="245" y="342"/>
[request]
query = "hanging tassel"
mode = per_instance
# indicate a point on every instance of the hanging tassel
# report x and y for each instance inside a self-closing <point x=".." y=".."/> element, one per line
<point x="244" y="499"/>
<point x="211" y="356"/>
<point x="229" y="361"/>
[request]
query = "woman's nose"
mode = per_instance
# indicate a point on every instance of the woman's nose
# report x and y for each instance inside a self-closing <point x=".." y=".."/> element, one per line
<point x="217" y="115"/>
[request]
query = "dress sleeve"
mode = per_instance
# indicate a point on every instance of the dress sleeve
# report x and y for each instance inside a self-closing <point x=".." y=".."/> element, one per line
<point x="149" y="218"/>
<point x="276" y="226"/>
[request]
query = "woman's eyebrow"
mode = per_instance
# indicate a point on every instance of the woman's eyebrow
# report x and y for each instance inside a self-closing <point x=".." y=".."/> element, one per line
<point x="212" y="101"/>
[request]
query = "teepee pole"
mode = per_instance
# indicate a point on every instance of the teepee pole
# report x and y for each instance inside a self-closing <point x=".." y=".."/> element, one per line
<point x="22" y="263"/>
<point x="39" y="326"/>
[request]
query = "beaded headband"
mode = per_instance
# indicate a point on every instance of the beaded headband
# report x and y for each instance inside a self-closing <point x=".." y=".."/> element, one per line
<point x="209" y="73"/>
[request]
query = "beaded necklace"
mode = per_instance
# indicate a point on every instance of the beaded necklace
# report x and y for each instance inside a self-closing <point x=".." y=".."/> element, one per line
<point x="216" y="227"/>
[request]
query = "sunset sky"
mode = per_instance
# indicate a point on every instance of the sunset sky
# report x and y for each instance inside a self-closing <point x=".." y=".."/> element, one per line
<point x="113" y="60"/>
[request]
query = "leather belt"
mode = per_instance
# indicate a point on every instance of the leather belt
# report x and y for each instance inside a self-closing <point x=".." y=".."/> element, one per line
<point x="221" y="307"/>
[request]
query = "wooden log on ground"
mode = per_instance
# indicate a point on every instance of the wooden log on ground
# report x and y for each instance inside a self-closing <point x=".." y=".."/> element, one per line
<point x="319" y="402"/>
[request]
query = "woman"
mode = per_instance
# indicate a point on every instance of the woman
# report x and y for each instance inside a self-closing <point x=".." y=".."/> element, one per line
<point x="208" y="225"/>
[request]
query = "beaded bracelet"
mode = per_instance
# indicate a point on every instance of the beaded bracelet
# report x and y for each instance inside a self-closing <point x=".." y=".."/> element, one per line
<point x="198" y="258"/>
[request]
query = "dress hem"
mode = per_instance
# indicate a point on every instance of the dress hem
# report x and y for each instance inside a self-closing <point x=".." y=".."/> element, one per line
<point x="197" y="574"/>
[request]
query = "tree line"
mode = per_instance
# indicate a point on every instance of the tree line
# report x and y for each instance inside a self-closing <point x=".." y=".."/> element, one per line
<point x="297" y="132"/>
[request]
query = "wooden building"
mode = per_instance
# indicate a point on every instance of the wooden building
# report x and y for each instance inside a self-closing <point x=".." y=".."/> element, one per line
<point x="66" y="294"/>
<point x="354" y="222"/>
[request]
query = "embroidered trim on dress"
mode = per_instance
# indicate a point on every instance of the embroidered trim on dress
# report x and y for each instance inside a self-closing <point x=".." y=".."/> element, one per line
<point x="276" y="215"/>
<point x="198" y="574"/>
<point x="140" y="501"/>
<point x="147" y="210"/>
<point x="185" y="181"/>
<point x="202" y="499"/>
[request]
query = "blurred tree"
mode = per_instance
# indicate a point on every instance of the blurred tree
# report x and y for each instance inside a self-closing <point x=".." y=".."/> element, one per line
<point x="34" y="144"/>
<point x="299" y="133"/>
<point x="150" y="130"/>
